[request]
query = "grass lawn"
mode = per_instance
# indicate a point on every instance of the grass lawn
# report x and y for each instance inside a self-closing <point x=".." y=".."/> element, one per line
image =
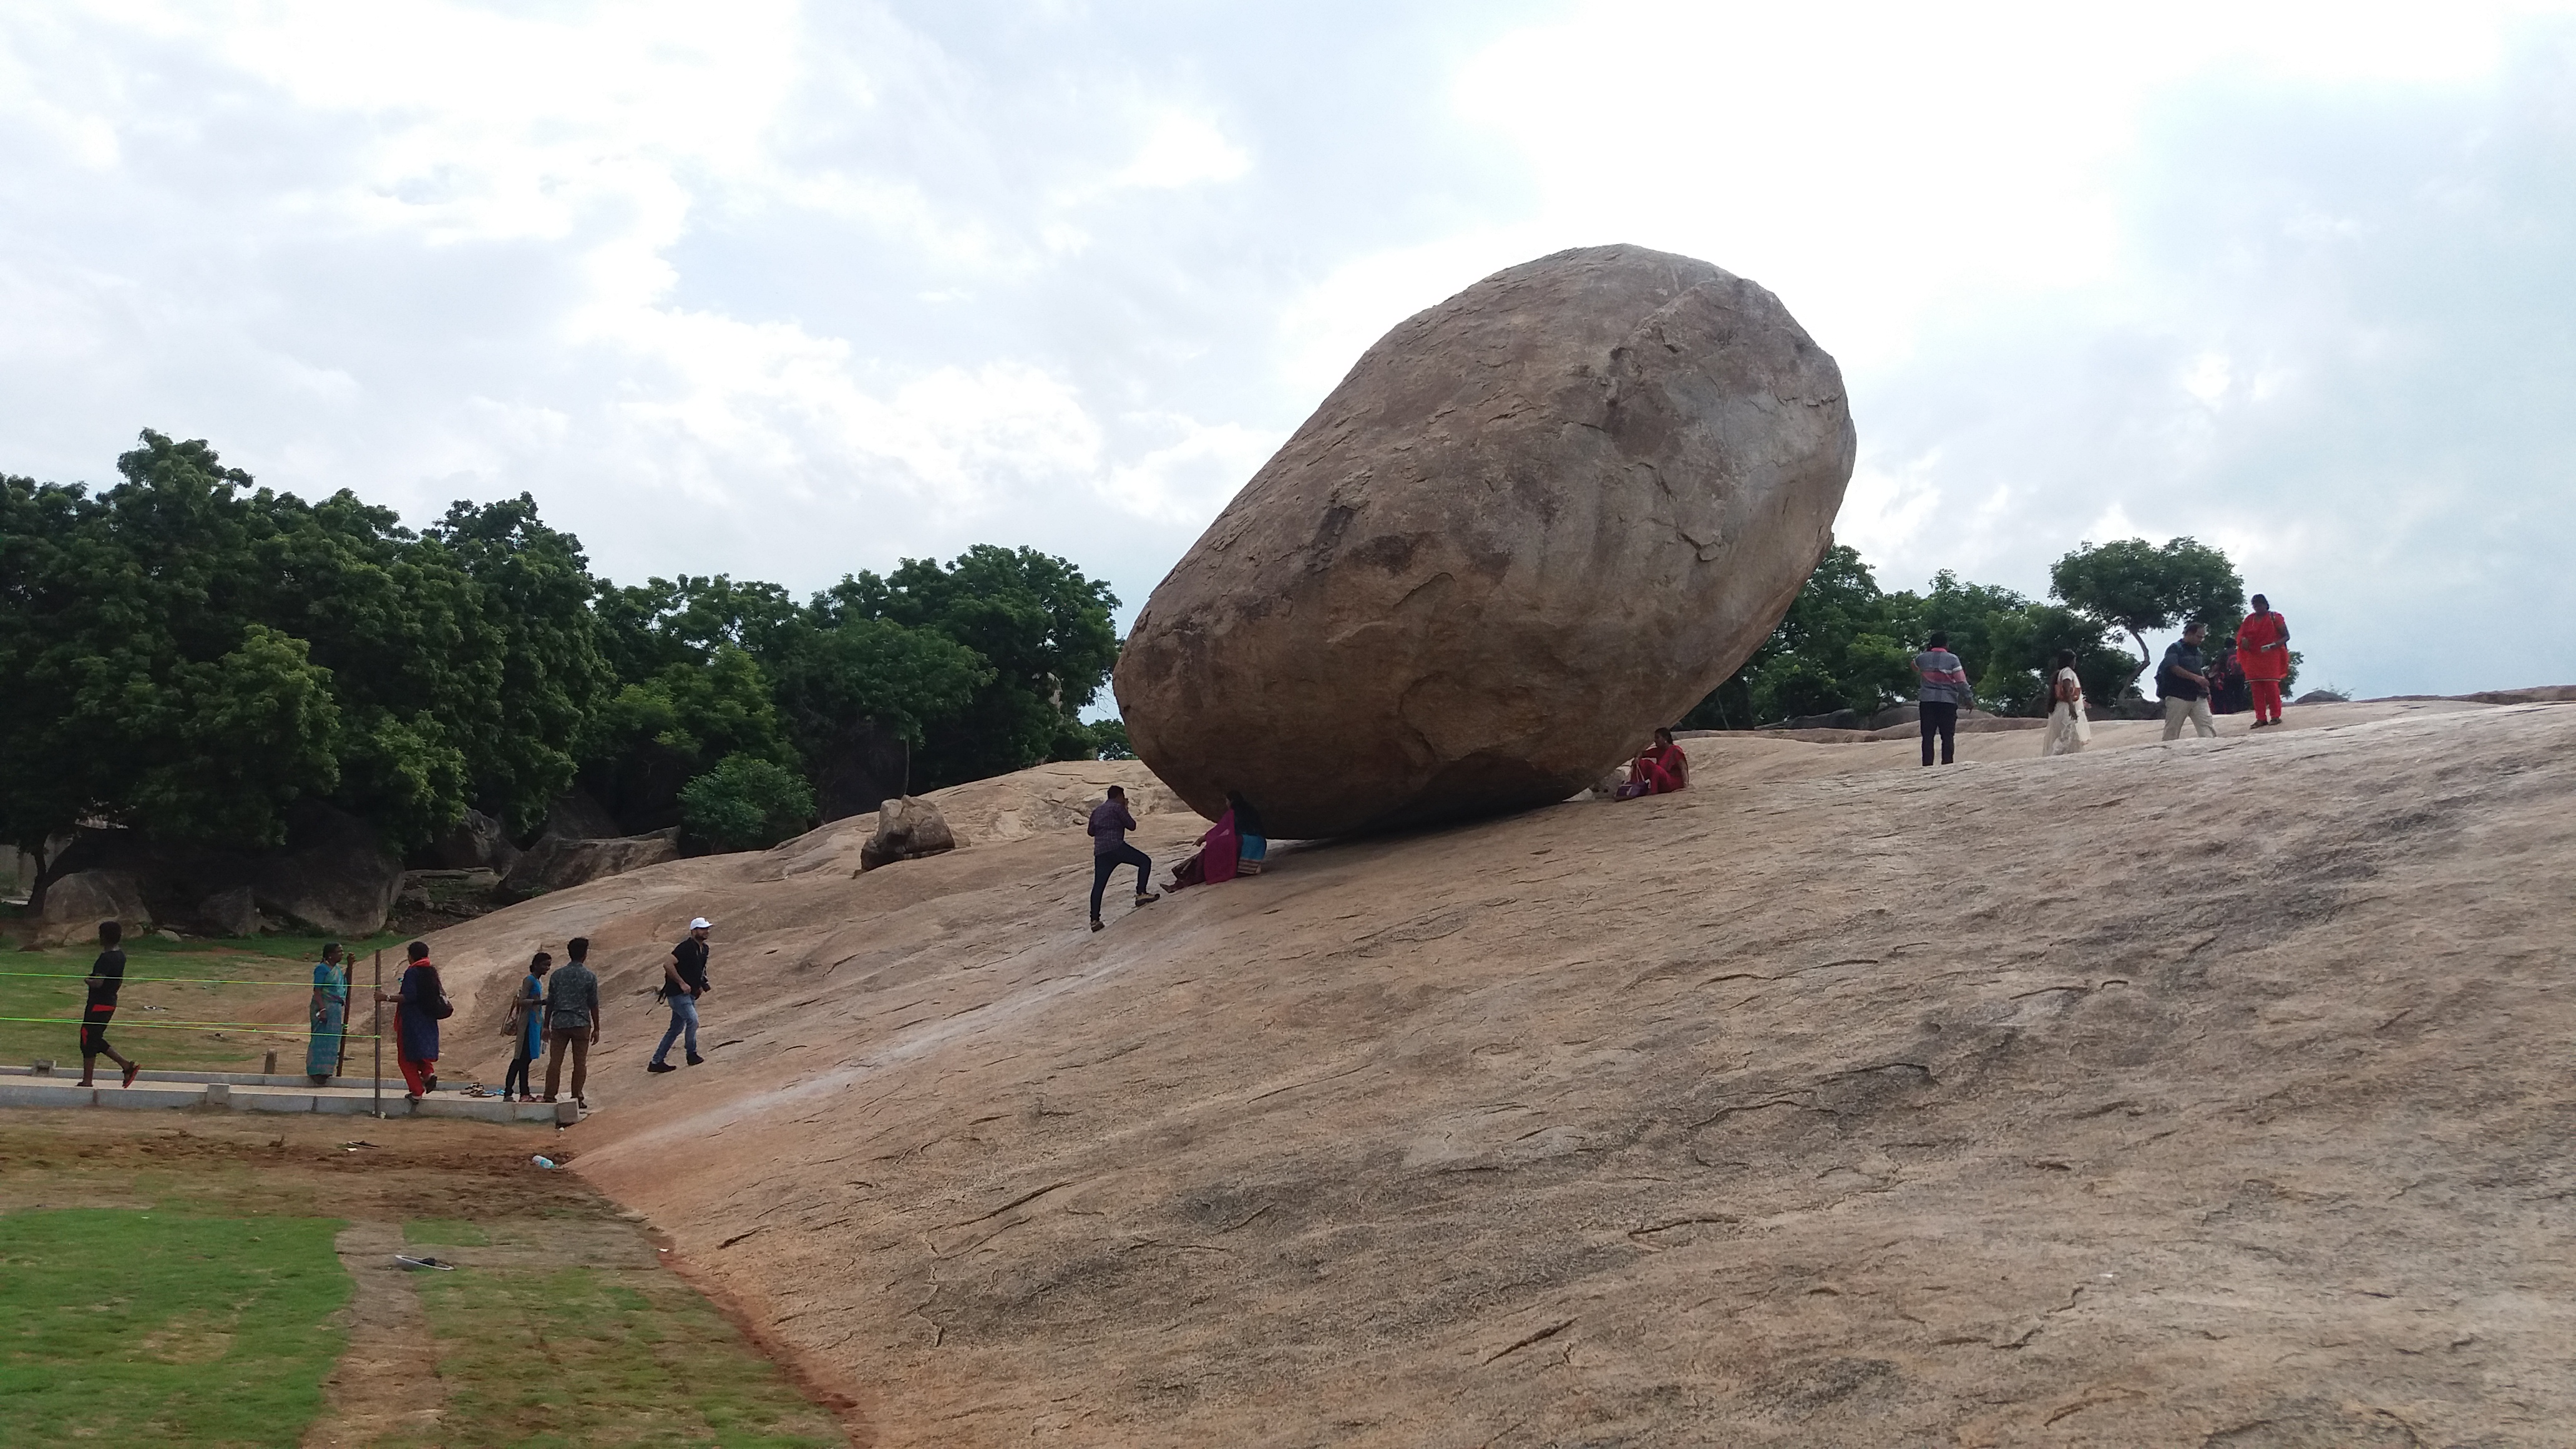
<point x="275" y="972"/>
<point x="591" y="1355"/>
<point x="136" y="1327"/>
<point x="178" y="1284"/>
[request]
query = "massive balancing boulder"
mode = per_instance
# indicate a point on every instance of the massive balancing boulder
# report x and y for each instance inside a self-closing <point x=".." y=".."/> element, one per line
<point x="1534" y="522"/>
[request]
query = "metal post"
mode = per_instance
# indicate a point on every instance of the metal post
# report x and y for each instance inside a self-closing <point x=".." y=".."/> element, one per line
<point x="379" y="995"/>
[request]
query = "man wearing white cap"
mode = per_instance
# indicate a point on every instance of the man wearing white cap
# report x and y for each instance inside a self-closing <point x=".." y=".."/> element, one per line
<point x="684" y="980"/>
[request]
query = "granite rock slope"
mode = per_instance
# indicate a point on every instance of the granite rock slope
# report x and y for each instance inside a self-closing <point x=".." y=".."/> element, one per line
<point x="2206" y="1093"/>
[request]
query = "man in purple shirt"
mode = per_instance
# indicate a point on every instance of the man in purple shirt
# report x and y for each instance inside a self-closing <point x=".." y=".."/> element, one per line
<point x="1110" y="823"/>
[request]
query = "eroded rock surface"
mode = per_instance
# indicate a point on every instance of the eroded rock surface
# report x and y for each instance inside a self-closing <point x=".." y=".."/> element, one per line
<point x="1534" y="522"/>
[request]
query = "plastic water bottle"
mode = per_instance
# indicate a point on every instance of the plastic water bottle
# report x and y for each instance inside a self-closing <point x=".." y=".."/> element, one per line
<point x="547" y="1163"/>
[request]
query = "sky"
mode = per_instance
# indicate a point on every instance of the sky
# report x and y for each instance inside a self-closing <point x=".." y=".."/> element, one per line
<point x="788" y="291"/>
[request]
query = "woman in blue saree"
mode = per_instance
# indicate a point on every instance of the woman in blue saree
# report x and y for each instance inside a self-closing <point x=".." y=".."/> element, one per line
<point x="330" y="1014"/>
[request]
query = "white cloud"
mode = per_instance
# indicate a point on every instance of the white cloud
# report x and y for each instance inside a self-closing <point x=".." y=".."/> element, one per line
<point x="791" y="289"/>
<point x="1184" y="150"/>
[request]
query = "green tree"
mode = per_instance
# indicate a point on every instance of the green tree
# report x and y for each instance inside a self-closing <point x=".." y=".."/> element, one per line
<point x="1039" y="626"/>
<point x="2134" y="585"/>
<point x="1841" y="645"/>
<point x="746" y="803"/>
<point x="146" y="690"/>
<point x="533" y="588"/>
<point x="836" y="681"/>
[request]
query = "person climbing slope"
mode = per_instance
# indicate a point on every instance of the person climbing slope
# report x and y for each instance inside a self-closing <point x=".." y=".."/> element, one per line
<point x="684" y="980"/>
<point x="1110" y="822"/>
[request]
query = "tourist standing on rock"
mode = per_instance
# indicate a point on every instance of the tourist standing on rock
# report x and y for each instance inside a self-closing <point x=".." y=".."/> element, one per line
<point x="2183" y="682"/>
<point x="1661" y="770"/>
<point x="1944" y="693"/>
<point x="1251" y="838"/>
<point x="2068" y="729"/>
<point x="420" y="1004"/>
<point x="572" y="1019"/>
<point x="1110" y="823"/>
<point x="329" y="1011"/>
<point x="106" y="979"/>
<point x="684" y="980"/>
<point x="527" y="1029"/>
<point x="2263" y="651"/>
<point x="2227" y="691"/>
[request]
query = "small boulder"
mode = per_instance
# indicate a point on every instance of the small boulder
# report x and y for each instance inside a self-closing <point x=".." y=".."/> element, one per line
<point x="907" y="829"/>
<point x="75" y="904"/>
<point x="333" y="875"/>
<point x="227" y="913"/>
<point x="555" y="863"/>
<point x="2322" y="696"/>
<point x="476" y="842"/>
<point x="576" y="815"/>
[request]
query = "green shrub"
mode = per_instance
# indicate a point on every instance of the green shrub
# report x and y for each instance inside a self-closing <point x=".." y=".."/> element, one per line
<point x="746" y="803"/>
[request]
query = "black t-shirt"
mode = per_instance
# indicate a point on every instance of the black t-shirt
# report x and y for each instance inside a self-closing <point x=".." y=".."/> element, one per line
<point x="106" y="978"/>
<point x="691" y="955"/>
<point x="2182" y="656"/>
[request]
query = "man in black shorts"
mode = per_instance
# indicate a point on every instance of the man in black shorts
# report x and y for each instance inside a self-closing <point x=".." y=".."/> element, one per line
<point x="106" y="978"/>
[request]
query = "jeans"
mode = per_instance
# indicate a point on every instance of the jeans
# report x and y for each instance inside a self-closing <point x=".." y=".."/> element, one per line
<point x="515" y="1082"/>
<point x="1104" y="864"/>
<point x="2194" y="710"/>
<point x="684" y="1018"/>
<point x="1938" y="719"/>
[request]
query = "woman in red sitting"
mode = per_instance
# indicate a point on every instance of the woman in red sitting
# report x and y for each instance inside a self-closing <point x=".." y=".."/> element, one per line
<point x="1661" y="770"/>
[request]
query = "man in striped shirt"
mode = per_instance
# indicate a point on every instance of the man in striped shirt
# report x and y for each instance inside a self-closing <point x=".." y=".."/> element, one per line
<point x="1945" y="690"/>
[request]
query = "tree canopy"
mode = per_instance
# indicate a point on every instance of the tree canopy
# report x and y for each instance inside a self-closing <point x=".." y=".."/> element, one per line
<point x="2135" y="585"/>
<point x="191" y="654"/>
<point x="1847" y="644"/>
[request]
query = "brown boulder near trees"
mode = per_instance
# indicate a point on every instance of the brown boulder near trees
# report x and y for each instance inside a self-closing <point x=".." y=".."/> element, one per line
<point x="907" y="829"/>
<point x="1534" y="522"/>
<point x="555" y="863"/>
<point x="76" y="903"/>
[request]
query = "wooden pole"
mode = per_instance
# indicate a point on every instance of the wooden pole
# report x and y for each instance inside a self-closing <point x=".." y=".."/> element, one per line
<point x="379" y="995"/>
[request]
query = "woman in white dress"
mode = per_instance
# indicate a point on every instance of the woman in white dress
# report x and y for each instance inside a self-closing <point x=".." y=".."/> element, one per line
<point x="2068" y="729"/>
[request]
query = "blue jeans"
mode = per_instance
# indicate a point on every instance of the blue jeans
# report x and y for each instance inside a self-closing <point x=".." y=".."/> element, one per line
<point x="1104" y="864"/>
<point x="684" y="1018"/>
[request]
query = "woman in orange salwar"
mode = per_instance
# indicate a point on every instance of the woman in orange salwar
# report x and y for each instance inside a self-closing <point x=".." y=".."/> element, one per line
<point x="2263" y="652"/>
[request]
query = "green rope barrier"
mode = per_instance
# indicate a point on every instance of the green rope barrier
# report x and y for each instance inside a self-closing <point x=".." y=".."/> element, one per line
<point x="246" y="1028"/>
<point x="305" y="980"/>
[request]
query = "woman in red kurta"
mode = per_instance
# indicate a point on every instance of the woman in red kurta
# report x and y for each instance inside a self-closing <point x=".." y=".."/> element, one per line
<point x="2263" y="652"/>
<point x="1661" y="770"/>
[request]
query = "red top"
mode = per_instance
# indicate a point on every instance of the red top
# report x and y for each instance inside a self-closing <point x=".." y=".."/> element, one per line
<point x="2263" y="647"/>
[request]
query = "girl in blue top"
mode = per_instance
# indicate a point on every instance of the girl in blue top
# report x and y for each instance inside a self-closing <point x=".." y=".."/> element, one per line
<point x="527" y="1025"/>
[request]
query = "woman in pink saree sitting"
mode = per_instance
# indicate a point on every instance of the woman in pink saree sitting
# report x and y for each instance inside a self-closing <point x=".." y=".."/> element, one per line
<point x="1215" y="860"/>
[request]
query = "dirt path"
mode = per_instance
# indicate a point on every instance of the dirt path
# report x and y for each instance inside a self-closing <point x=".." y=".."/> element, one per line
<point x="385" y="1383"/>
